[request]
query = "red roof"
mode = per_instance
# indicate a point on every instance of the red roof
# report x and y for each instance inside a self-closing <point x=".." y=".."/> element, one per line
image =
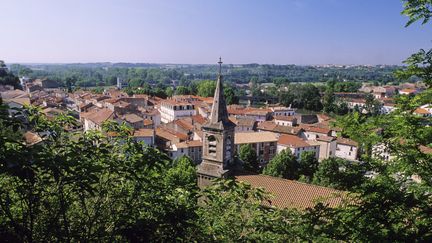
<point x="293" y="194"/>
<point x="347" y="141"/>
<point x="292" y="141"/>
<point x="285" y="118"/>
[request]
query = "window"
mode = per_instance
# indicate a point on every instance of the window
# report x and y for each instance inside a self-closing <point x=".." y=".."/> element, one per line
<point x="182" y="150"/>
<point x="212" y="145"/>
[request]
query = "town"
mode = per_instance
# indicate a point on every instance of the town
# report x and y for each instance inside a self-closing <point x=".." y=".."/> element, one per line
<point x="227" y="121"/>
<point x="174" y="125"/>
<point x="177" y="125"/>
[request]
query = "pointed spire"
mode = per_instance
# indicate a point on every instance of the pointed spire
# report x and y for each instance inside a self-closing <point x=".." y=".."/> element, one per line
<point x="219" y="113"/>
<point x="220" y="66"/>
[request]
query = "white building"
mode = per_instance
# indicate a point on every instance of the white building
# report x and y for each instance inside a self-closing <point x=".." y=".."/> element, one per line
<point x="282" y="111"/>
<point x="152" y="115"/>
<point x="170" y="110"/>
<point x="285" y="120"/>
<point x="192" y="149"/>
<point x="346" y="149"/>
<point x="297" y="145"/>
<point x="312" y="133"/>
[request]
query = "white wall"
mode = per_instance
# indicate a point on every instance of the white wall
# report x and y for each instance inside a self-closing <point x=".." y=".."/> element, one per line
<point x="346" y="151"/>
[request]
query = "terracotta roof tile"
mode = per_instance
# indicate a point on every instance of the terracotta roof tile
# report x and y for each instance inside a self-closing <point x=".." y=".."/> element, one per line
<point x="254" y="137"/>
<point x="31" y="138"/>
<point x="144" y="133"/>
<point x="292" y="141"/>
<point x="347" y="141"/>
<point x="285" y="118"/>
<point x="188" y="144"/>
<point x="99" y="116"/>
<point x="293" y="194"/>
<point x="316" y="129"/>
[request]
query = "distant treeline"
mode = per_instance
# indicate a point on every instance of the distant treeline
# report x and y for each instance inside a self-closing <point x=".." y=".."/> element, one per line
<point x="101" y="74"/>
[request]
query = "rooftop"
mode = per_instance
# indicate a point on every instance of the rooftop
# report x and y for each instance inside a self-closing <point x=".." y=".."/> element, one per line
<point x="285" y="118"/>
<point x="346" y="141"/>
<point x="143" y="133"/>
<point x="293" y="194"/>
<point x="255" y="137"/>
<point x="99" y="116"/>
<point x="292" y="141"/>
<point x="188" y="144"/>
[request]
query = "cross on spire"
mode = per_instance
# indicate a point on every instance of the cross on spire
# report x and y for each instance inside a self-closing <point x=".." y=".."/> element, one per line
<point x="219" y="114"/>
<point x="220" y="65"/>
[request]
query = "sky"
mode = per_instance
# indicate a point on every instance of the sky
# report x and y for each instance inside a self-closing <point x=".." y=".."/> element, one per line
<point x="299" y="32"/>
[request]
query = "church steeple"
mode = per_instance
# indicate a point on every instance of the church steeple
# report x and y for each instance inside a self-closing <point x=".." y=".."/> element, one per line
<point x="218" y="139"/>
<point x="219" y="114"/>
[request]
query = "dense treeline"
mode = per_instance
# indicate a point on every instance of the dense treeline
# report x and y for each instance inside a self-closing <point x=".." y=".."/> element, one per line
<point x="6" y="77"/>
<point x="87" y="75"/>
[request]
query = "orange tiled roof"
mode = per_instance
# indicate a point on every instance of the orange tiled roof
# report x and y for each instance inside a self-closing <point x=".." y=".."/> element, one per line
<point x="315" y="129"/>
<point x="188" y="144"/>
<point x="200" y="119"/>
<point x="346" y="141"/>
<point x="266" y="125"/>
<point x="170" y="134"/>
<point x="143" y="133"/>
<point x="421" y="111"/>
<point x="99" y="116"/>
<point x="31" y="138"/>
<point x="292" y="141"/>
<point x="408" y="91"/>
<point x="285" y="118"/>
<point x="425" y="150"/>
<point x="293" y="194"/>
<point x="183" y="123"/>
<point x="132" y="118"/>
<point x="148" y="122"/>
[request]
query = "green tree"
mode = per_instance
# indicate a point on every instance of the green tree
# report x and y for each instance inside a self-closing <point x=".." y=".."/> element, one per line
<point x="230" y="96"/>
<point x="6" y="77"/>
<point x="206" y="88"/>
<point x="182" y="90"/>
<point x="339" y="173"/>
<point x="284" y="165"/>
<point x="342" y="109"/>
<point x="308" y="164"/>
<point x="169" y="91"/>
<point x="233" y="212"/>
<point x="372" y="105"/>
<point x="329" y="105"/>
<point x="249" y="157"/>
<point x="86" y="187"/>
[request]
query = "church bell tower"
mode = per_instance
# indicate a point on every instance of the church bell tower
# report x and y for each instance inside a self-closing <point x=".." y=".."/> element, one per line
<point x="218" y="139"/>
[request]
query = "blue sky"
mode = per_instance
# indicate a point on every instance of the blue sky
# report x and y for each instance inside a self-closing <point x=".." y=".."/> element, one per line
<point x="199" y="31"/>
